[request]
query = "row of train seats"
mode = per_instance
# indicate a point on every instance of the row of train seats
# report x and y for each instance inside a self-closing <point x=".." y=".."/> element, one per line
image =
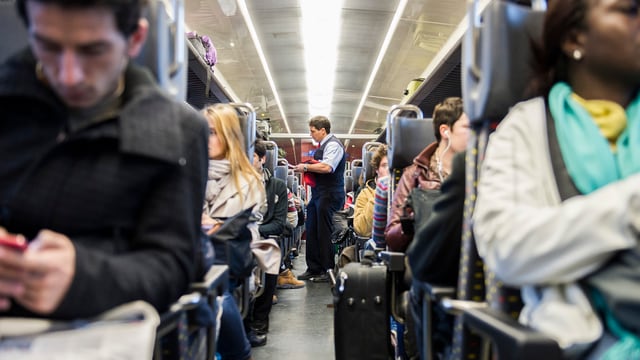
<point x="360" y="171"/>
<point x="182" y="332"/>
<point x="407" y="134"/>
<point x="485" y="309"/>
<point x="279" y="167"/>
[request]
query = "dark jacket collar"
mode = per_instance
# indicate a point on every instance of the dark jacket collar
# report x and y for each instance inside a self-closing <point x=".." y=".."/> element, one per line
<point x="147" y="113"/>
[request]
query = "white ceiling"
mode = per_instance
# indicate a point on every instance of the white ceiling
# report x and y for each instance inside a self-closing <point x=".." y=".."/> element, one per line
<point x="424" y="27"/>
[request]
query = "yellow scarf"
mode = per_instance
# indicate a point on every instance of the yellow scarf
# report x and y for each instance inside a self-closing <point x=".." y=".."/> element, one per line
<point x="610" y="117"/>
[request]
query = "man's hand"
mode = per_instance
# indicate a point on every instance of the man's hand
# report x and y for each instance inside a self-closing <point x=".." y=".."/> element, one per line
<point x="299" y="168"/>
<point x="207" y="220"/>
<point x="11" y="272"/>
<point x="210" y="225"/>
<point x="49" y="265"/>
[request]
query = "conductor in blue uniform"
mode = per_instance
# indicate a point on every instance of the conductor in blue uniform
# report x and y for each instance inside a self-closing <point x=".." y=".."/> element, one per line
<point x="327" y="196"/>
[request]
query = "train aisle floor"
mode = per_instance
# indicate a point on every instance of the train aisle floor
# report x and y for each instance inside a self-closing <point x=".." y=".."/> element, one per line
<point x="301" y="323"/>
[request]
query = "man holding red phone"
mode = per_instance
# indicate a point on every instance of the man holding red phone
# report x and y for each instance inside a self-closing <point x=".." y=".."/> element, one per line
<point x="99" y="169"/>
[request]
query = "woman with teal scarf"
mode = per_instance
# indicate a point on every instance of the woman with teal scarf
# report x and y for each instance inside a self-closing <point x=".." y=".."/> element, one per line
<point x="558" y="208"/>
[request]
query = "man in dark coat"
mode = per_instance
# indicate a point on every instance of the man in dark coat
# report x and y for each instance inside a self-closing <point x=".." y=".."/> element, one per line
<point x="99" y="170"/>
<point x="273" y="224"/>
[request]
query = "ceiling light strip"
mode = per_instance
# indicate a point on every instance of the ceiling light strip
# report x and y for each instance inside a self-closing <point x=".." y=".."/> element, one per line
<point x="376" y="66"/>
<point x="320" y="27"/>
<point x="256" y="41"/>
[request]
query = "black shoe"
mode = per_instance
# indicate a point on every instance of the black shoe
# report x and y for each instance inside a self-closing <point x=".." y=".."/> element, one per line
<point x="322" y="278"/>
<point x="308" y="275"/>
<point x="256" y="339"/>
<point x="259" y="327"/>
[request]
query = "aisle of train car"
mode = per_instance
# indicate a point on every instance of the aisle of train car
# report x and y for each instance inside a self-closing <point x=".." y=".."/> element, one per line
<point x="301" y="323"/>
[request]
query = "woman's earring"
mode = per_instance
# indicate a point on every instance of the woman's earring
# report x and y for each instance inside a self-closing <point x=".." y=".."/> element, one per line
<point x="577" y="55"/>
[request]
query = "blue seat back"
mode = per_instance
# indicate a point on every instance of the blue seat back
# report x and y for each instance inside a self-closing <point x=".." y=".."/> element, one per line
<point x="272" y="156"/>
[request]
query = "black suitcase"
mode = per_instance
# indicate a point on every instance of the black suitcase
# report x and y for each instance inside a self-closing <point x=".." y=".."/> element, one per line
<point x="362" y="312"/>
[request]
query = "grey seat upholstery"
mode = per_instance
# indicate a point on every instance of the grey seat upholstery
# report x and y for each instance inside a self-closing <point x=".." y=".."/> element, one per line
<point x="406" y="138"/>
<point x="14" y="34"/>
<point x="368" y="150"/>
<point x="272" y="156"/>
<point x="348" y="181"/>
<point x="247" y="116"/>
<point x="165" y="51"/>
<point x="356" y="173"/>
<point x="281" y="172"/>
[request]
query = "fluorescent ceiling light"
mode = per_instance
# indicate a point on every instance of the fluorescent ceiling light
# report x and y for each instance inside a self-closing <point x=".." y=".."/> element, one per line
<point x="265" y="65"/>
<point x="228" y="7"/>
<point x="376" y="66"/>
<point x="320" y="33"/>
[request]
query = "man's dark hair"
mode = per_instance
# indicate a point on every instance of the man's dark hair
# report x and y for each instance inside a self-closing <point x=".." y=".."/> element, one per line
<point x="320" y="122"/>
<point x="260" y="149"/>
<point x="447" y="112"/>
<point x="127" y="13"/>
<point x="378" y="155"/>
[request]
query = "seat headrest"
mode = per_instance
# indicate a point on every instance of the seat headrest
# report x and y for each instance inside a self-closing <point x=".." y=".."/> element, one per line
<point x="272" y="155"/>
<point x="281" y="173"/>
<point x="490" y="87"/>
<point x="348" y="183"/>
<point x="165" y="51"/>
<point x="368" y="149"/>
<point x="12" y="31"/>
<point x="356" y="172"/>
<point x="247" y="117"/>
<point x="406" y="138"/>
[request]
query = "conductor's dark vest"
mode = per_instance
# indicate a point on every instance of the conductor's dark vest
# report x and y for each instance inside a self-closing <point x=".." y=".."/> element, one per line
<point x="332" y="181"/>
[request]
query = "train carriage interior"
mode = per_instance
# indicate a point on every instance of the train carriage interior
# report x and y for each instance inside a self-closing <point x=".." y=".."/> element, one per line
<point x="377" y="69"/>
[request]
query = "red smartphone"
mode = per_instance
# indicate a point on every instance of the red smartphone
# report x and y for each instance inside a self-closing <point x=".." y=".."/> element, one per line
<point x="15" y="242"/>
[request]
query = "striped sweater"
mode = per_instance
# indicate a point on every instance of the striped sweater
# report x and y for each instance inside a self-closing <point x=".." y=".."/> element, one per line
<point x="380" y="211"/>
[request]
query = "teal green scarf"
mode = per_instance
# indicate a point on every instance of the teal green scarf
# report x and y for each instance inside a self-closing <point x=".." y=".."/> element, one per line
<point x="592" y="164"/>
<point x="586" y="153"/>
<point x="628" y="345"/>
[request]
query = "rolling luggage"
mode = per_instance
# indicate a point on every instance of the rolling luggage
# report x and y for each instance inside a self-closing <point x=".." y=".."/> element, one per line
<point x="362" y="312"/>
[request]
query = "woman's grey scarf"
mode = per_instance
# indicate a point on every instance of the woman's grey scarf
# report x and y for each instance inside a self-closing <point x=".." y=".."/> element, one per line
<point x="219" y="177"/>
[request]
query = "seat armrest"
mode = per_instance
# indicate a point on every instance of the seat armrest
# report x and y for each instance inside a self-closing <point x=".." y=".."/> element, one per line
<point x="435" y="292"/>
<point x="167" y="332"/>
<point x="169" y="320"/>
<point x="511" y="340"/>
<point x="217" y="278"/>
<point x="393" y="260"/>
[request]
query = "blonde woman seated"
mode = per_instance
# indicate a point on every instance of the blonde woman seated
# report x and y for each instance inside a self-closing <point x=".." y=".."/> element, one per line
<point x="234" y="185"/>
